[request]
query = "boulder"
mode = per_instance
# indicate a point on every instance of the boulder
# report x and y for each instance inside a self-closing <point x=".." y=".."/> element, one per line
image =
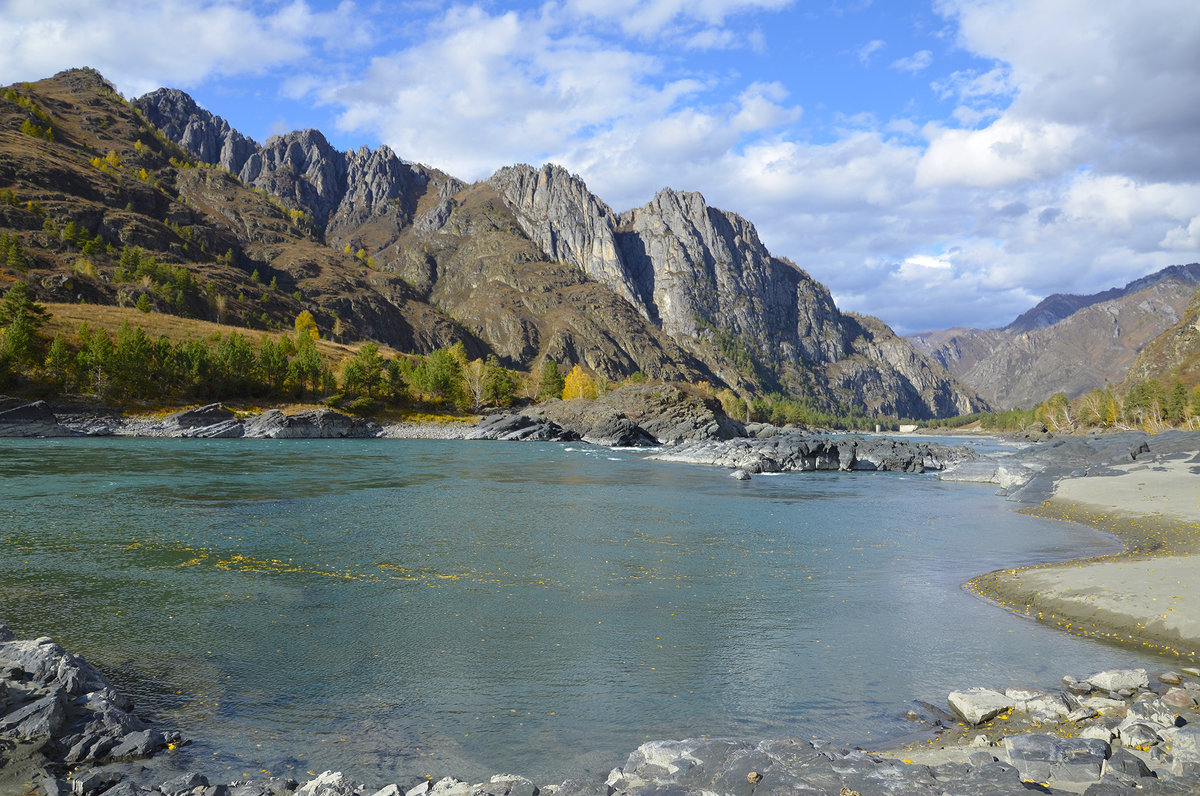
<point x="977" y="705"/>
<point x="30" y="420"/>
<point x="1062" y="761"/>
<point x="1179" y="698"/>
<point x="1138" y="735"/>
<point x="1040" y="705"/>
<point x="740" y="475"/>
<point x="329" y="783"/>
<point x="1119" y="679"/>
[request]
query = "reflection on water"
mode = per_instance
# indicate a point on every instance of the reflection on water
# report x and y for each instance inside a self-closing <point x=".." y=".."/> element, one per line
<point x="403" y="608"/>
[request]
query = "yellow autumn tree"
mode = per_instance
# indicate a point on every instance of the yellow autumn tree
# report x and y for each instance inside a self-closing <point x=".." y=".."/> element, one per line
<point x="578" y="385"/>
<point x="307" y="325"/>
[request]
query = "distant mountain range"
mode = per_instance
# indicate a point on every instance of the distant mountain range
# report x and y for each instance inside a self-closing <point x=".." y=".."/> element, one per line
<point x="1069" y="343"/>
<point x="527" y="264"/>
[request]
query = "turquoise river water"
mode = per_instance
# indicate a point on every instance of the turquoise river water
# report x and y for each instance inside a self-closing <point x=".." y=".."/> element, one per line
<point x="397" y="609"/>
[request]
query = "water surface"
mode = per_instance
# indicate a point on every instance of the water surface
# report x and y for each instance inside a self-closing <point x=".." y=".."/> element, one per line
<point x="396" y="609"/>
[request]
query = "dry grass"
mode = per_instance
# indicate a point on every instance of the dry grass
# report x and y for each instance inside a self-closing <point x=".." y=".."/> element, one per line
<point x="66" y="318"/>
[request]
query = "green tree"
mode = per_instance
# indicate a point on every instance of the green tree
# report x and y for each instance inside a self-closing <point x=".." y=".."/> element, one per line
<point x="363" y="374"/>
<point x="439" y="376"/>
<point x="500" y="383"/>
<point x="304" y="370"/>
<point x="1177" y="403"/>
<point x="143" y="302"/>
<point x="235" y="364"/>
<point x="21" y="319"/>
<point x="552" y="381"/>
<point x="272" y="364"/>
<point x="58" y="361"/>
<point x="132" y="362"/>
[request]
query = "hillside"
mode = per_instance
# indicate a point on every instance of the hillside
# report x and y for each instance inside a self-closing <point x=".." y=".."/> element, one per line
<point x="1174" y="355"/>
<point x="1069" y="344"/>
<point x="686" y="288"/>
<point x="159" y="203"/>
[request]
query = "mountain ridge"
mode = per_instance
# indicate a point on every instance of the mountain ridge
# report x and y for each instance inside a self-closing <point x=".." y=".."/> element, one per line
<point x="381" y="248"/>
<point x="1066" y="343"/>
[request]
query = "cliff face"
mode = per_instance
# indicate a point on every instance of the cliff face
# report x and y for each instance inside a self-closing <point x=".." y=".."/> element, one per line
<point x="1069" y="344"/>
<point x="703" y="277"/>
<point x="688" y="291"/>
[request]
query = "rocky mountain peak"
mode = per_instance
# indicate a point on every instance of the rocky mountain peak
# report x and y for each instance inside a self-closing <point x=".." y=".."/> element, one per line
<point x="208" y="137"/>
<point x="558" y="212"/>
<point x="301" y="168"/>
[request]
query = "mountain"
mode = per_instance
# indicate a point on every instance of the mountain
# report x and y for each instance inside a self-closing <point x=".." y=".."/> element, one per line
<point x="1174" y="354"/>
<point x="527" y="264"/>
<point x="717" y="301"/>
<point x="1066" y="343"/>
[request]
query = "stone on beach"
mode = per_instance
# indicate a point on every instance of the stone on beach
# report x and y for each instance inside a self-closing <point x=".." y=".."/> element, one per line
<point x="1119" y="679"/>
<point x="1044" y="758"/>
<point x="977" y="705"/>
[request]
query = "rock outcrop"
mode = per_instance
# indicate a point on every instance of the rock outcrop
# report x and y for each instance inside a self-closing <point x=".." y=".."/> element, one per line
<point x="797" y="452"/>
<point x="208" y="137"/>
<point x="703" y="276"/>
<point x="57" y="710"/>
<point x="36" y="419"/>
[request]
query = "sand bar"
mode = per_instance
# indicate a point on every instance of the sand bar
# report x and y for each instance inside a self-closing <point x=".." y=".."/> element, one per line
<point x="1150" y="594"/>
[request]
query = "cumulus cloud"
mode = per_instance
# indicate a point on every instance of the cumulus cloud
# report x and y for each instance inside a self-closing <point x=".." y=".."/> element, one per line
<point x="141" y="45"/>
<point x="1053" y="151"/>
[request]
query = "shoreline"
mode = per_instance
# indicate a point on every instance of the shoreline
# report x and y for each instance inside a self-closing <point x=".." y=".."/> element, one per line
<point x="1147" y="595"/>
<point x="955" y="755"/>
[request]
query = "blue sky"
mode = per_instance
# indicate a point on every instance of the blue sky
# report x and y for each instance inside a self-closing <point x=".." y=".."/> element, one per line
<point x="936" y="163"/>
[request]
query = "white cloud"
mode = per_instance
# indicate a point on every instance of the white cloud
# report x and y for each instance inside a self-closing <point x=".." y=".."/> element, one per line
<point x="868" y="50"/>
<point x="917" y="62"/>
<point x="1126" y="71"/>
<point x="652" y="17"/>
<point x="141" y="45"/>
<point x="1006" y="151"/>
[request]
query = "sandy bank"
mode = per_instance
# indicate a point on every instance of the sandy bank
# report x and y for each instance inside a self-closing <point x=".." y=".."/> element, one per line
<point x="1150" y="594"/>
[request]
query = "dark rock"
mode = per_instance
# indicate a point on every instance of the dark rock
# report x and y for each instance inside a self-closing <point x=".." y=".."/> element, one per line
<point x="137" y="744"/>
<point x="1127" y="763"/>
<point x="183" y="784"/>
<point x="34" y="419"/>
<point x="40" y="718"/>
<point x="202" y="416"/>
<point x="309" y="424"/>
<point x="519" y="427"/>
<point x="794" y="452"/>
<point x="1044" y="758"/>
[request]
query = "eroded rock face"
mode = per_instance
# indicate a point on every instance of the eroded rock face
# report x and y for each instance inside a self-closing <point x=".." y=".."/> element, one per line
<point x="559" y="214"/>
<point x="703" y="276"/>
<point x="208" y="137"/>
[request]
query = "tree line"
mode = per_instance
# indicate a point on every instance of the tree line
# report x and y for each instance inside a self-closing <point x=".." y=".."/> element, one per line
<point x="1150" y="405"/>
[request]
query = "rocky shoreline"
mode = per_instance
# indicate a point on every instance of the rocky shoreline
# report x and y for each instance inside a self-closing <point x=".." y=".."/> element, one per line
<point x="65" y="730"/>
